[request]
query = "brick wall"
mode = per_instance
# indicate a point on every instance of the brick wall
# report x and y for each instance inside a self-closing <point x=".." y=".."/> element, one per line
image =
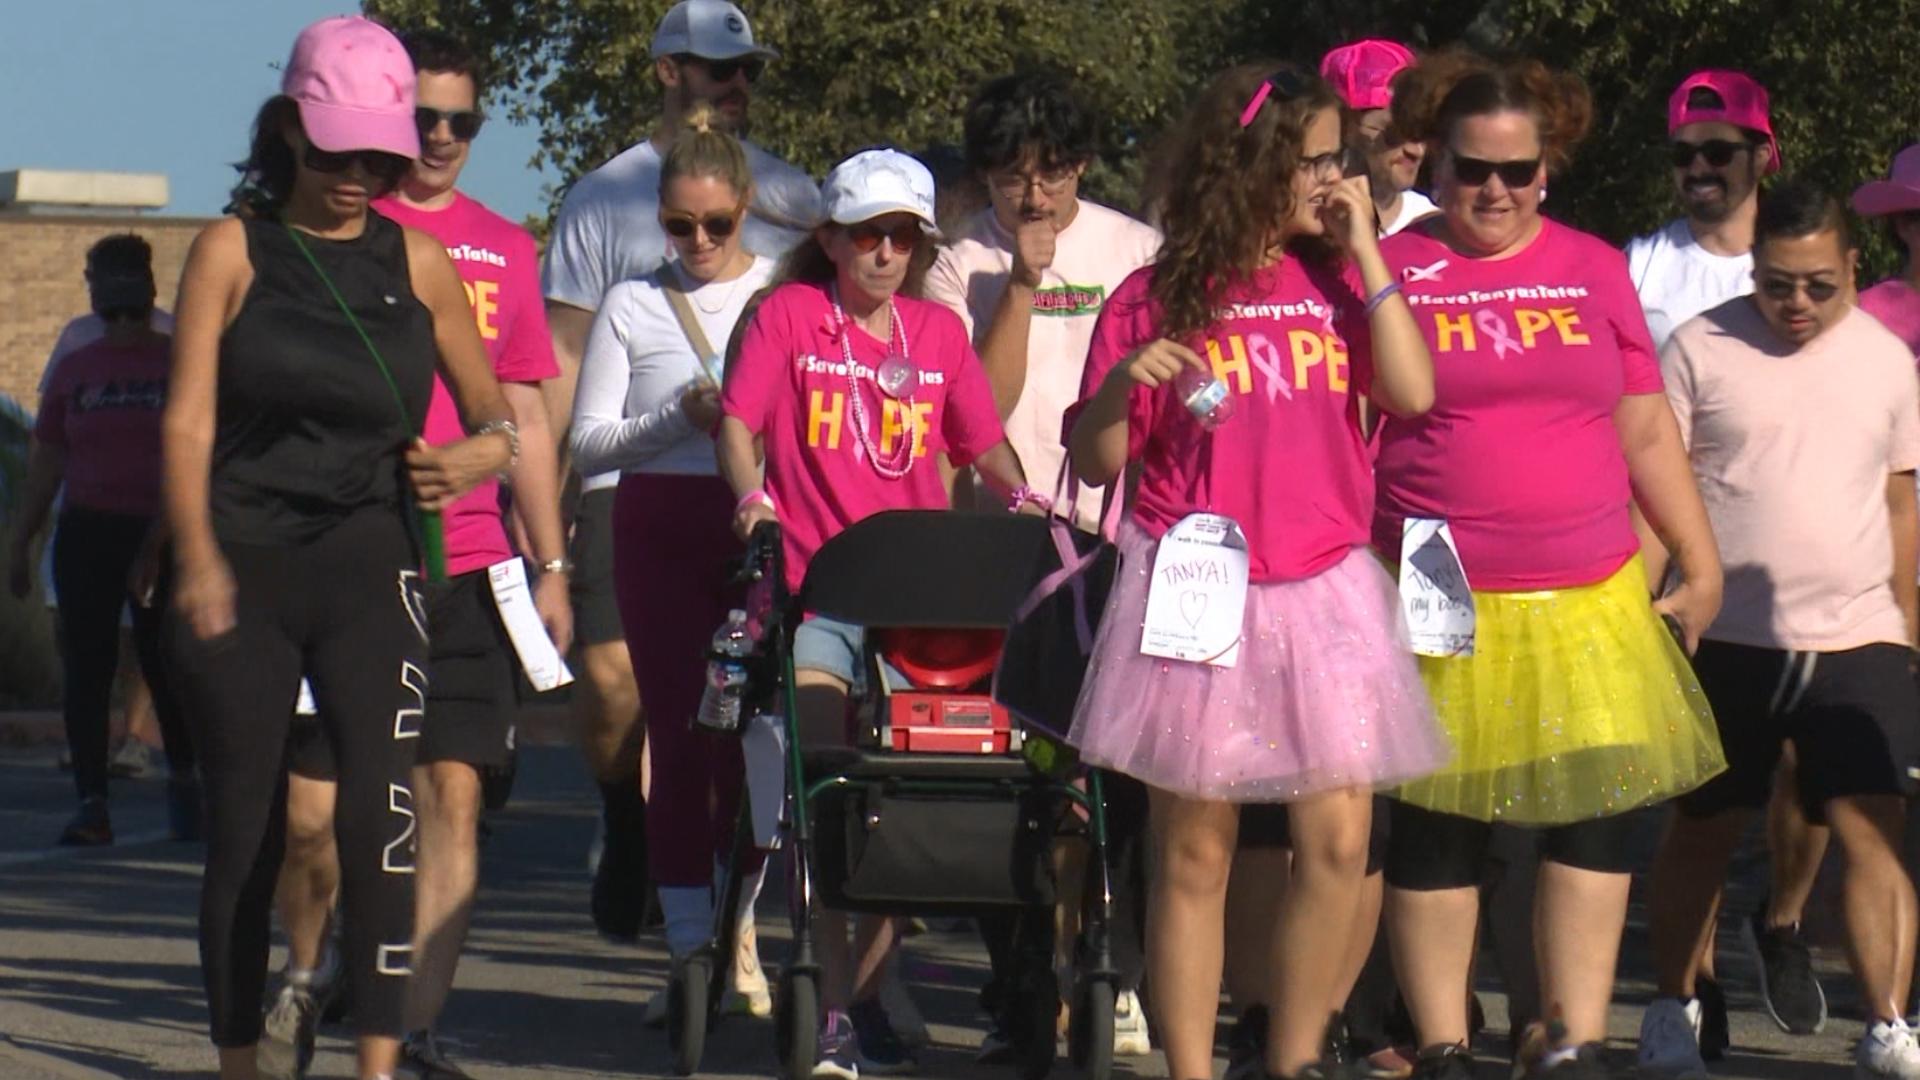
<point x="41" y="259"/>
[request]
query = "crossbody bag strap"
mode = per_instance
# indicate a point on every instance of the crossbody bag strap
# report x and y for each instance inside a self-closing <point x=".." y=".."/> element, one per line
<point x="689" y="323"/>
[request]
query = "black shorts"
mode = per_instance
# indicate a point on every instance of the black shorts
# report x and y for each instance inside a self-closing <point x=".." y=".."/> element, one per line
<point x="596" y="612"/>
<point x="1266" y="825"/>
<point x="1853" y="716"/>
<point x="472" y="686"/>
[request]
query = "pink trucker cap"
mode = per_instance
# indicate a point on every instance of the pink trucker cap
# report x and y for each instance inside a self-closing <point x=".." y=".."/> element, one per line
<point x="1898" y="193"/>
<point x="1362" y="73"/>
<point x="354" y="84"/>
<point x="1743" y="104"/>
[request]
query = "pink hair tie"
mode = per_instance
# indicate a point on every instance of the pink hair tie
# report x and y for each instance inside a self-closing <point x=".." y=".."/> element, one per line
<point x="1259" y="98"/>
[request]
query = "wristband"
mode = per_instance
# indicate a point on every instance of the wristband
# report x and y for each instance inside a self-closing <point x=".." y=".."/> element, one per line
<point x="557" y="566"/>
<point x="754" y="496"/>
<point x="1023" y="495"/>
<point x="1380" y="297"/>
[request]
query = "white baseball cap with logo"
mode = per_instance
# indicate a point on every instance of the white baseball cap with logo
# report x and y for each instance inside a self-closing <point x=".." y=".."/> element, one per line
<point x="876" y="182"/>
<point x="709" y="29"/>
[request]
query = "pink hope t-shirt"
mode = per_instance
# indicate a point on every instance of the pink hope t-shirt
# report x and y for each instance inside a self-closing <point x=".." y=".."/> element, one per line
<point x="500" y="267"/>
<point x="791" y="385"/>
<point x="1290" y="465"/>
<point x="1897" y="306"/>
<point x="1519" y="453"/>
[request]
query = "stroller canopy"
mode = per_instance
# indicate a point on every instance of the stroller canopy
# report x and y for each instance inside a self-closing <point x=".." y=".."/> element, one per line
<point x="926" y="568"/>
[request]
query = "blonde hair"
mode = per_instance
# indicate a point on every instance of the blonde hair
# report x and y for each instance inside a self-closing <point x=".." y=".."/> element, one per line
<point x="703" y="150"/>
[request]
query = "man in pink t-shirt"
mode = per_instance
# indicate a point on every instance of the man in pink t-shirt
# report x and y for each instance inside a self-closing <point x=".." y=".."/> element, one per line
<point x="1802" y="419"/>
<point x="472" y="675"/>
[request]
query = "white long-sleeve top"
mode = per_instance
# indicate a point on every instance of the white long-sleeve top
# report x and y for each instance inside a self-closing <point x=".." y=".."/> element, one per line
<point x="626" y="409"/>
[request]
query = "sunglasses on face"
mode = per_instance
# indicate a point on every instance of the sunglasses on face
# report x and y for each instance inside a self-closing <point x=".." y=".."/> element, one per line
<point x="1718" y="152"/>
<point x="1473" y="172"/>
<point x="386" y="168"/>
<point x="723" y="71"/>
<point x="464" y="123"/>
<point x="1783" y="288"/>
<point x="865" y="237"/>
<point x="681" y="226"/>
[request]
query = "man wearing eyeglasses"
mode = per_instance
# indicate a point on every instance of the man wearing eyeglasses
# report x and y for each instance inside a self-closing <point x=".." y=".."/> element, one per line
<point x="472" y="686"/>
<point x="1802" y="420"/>
<point x="608" y="231"/>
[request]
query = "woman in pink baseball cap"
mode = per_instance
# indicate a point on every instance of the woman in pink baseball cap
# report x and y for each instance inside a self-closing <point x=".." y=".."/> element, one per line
<point x="1896" y="301"/>
<point x="298" y="495"/>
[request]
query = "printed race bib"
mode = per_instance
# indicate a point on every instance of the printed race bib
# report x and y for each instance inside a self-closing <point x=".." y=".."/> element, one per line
<point x="1197" y="599"/>
<point x="1433" y="590"/>
<point x="538" y="658"/>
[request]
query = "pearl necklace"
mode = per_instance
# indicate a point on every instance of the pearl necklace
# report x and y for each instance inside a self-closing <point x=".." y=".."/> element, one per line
<point x="897" y="468"/>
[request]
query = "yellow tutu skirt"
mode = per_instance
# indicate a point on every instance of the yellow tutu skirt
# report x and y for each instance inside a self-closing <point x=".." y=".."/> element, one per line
<point x="1575" y="704"/>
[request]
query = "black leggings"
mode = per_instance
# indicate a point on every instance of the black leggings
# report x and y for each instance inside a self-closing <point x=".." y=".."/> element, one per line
<point x="1429" y="850"/>
<point x="345" y="610"/>
<point x="93" y="554"/>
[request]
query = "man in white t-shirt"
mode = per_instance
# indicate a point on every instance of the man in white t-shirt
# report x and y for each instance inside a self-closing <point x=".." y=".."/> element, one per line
<point x="1362" y="74"/>
<point x="1721" y="145"/>
<point x="608" y="232"/>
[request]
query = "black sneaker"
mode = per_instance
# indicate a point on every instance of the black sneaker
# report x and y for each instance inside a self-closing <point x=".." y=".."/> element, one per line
<point x="1450" y="1061"/>
<point x="90" y="827"/>
<point x="421" y="1052"/>
<point x="1715" y="1036"/>
<point x="1792" y="995"/>
<point x="881" y="1050"/>
<point x="1247" y="1045"/>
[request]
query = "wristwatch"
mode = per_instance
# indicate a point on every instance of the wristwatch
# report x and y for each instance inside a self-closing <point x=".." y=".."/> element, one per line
<point x="557" y="566"/>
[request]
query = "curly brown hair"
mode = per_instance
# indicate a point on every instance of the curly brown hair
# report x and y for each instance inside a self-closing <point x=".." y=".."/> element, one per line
<point x="1448" y="86"/>
<point x="1224" y="189"/>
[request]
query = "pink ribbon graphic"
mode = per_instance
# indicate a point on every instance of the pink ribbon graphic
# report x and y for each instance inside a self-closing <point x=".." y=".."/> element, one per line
<point x="1495" y="327"/>
<point x="1414" y="274"/>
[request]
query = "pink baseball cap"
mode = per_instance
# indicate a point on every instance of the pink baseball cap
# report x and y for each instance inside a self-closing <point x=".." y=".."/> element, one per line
<point x="1743" y="103"/>
<point x="354" y="84"/>
<point x="1363" y="72"/>
<point x="1898" y="193"/>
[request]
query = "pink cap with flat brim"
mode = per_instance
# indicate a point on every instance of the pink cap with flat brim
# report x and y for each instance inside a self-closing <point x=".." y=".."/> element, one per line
<point x="1898" y="193"/>
<point x="1363" y="72"/>
<point x="354" y="84"/>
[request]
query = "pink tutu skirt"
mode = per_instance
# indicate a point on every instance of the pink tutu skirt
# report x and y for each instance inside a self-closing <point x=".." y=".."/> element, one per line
<point x="1325" y="695"/>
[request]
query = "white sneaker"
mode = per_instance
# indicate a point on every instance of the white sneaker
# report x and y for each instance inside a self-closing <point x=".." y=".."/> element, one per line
<point x="1888" y="1051"/>
<point x="1130" y="1027"/>
<point x="1670" y="1040"/>
<point x="902" y="1013"/>
<point x="749" y="992"/>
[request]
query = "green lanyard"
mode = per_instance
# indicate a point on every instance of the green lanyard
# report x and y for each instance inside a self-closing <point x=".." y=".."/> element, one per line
<point x="433" y="539"/>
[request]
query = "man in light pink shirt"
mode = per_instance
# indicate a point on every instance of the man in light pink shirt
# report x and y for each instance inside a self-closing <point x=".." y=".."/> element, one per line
<point x="1802" y="419"/>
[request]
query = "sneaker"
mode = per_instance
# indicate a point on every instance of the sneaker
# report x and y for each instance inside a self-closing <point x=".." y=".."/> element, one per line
<point x="183" y="808"/>
<point x="421" y="1052"/>
<point x="748" y="992"/>
<point x="1588" y="1061"/>
<point x="1450" y="1061"/>
<point x="1670" y="1040"/>
<point x="1337" y="1047"/>
<point x="881" y="1050"/>
<point x="1888" y="1051"/>
<point x="839" y="1049"/>
<point x="1792" y="995"/>
<point x="902" y="1013"/>
<point x="997" y="1047"/>
<point x="90" y="827"/>
<point x="133" y="761"/>
<point x="1392" y="1063"/>
<point x="1716" y="1036"/>
<point x="1130" y="1038"/>
<point x="286" y="1039"/>
<point x="1247" y="1045"/>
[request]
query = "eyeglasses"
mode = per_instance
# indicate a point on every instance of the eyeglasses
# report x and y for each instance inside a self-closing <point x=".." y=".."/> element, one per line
<point x="866" y="236"/>
<point x="1052" y="182"/>
<point x="681" y="226"/>
<point x="1475" y="172"/>
<point x="386" y="168"/>
<point x="465" y="123"/>
<point x="1718" y="152"/>
<point x="1782" y="287"/>
<point x="723" y="71"/>
<point x="1328" y="166"/>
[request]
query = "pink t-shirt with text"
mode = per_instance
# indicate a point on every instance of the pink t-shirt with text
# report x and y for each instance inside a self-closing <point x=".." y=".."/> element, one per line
<point x="790" y="384"/>
<point x="1897" y="306"/>
<point x="1519" y="453"/>
<point x="103" y="407"/>
<point x="1290" y="465"/>
<point x="500" y="266"/>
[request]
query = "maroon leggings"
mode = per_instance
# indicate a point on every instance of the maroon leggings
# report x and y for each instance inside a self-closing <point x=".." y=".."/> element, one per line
<point x="674" y="554"/>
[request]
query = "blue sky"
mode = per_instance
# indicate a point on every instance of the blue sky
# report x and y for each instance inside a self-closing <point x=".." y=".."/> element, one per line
<point x="171" y="86"/>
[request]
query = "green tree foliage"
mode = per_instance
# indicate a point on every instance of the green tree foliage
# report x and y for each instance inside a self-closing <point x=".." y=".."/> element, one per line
<point x="857" y="72"/>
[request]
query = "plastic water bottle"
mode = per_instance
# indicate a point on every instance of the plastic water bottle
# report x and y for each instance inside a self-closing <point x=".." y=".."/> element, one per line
<point x="726" y="675"/>
<point x="1206" y="397"/>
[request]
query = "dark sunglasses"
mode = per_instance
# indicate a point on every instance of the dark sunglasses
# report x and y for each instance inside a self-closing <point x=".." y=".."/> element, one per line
<point x="1474" y="172"/>
<point x="1718" y="152"/>
<point x="723" y="71"/>
<point x="465" y="123"/>
<point x="717" y="226"/>
<point x="866" y="236"/>
<point x="382" y="166"/>
<point x="1783" y="288"/>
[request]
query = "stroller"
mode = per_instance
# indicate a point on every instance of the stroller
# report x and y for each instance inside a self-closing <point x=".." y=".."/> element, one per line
<point x="932" y="810"/>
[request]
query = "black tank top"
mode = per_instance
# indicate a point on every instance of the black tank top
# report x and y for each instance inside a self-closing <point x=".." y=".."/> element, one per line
<point x="308" y="431"/>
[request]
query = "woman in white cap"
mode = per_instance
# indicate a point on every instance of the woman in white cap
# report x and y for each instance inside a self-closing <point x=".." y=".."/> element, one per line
<point x="856" y="390"/>
<point x="1896" y="301"/>
<point x="309" y="332"/>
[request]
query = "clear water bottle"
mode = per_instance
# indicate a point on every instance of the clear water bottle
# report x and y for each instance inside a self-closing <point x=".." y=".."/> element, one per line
<point x="726" y="675"/>
<point x="1206" y="397"/>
